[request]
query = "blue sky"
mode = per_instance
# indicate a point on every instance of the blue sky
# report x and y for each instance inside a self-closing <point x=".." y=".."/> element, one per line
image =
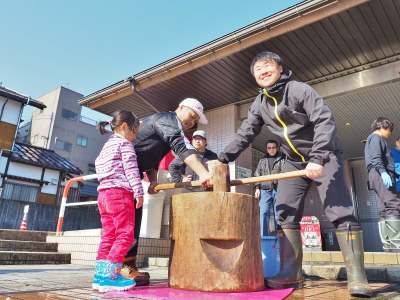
<point x="87" y="45"/>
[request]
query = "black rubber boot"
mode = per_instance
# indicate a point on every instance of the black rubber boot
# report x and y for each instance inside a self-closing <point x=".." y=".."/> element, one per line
<point x="291" y="256"/>
<point x="393" y="230"/>
<point x="351" y="244"/>
<point x="384" y="236"/>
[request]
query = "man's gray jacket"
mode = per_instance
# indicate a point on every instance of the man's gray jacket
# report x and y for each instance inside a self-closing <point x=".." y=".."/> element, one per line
<point x="263" y="169"/>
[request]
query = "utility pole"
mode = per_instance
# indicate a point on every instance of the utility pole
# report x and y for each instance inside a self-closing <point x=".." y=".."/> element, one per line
<point x="48" y="134"/>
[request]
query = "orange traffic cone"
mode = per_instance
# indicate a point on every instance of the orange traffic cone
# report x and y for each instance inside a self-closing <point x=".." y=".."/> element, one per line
<point x="23" y="224"/>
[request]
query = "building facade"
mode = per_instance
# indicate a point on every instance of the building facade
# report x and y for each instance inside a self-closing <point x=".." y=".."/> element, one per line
<point x="342" y="49"/>
<point x="62" y="128"/>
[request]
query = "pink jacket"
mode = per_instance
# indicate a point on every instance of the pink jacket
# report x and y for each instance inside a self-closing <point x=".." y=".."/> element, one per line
<point x="116" y="166"/>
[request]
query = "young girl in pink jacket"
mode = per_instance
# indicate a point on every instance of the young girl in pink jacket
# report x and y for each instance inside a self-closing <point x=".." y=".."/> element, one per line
<point x="120" y="185"/>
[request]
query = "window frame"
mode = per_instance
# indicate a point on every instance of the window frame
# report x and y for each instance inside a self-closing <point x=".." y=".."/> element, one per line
<point x="35" y="138"/>
<point x="69" y="114"/>
<point x="64" y="143"/>
<point x="82" y="138"/>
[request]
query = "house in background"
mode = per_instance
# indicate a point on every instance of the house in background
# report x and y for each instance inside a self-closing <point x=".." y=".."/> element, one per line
<point x="33" y="175"/>
<point x="62" y="128"/>
<point x="27" y="173"/>
<point x="11" y="106"/>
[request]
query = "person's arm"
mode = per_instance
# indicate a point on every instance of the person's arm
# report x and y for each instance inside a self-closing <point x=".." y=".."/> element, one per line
<point x="258" y="173"/>
<point x="324" y="124"/>
<point x="375" y="147"/>
<point x="152" y="175"/>
<point x="131" y="169"/>
<point x="169" y="130"/>
<point x="205" y="177"/>
<point x="175" y="169"/>
<point x="245" y="135"/>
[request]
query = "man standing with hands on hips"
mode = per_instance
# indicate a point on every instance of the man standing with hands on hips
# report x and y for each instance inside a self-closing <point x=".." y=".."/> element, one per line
<point x="271" y="163"/>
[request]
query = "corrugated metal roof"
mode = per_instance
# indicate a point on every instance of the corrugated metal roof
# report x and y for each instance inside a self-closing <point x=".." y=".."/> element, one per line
<point x="7" y="93"/>
<point x="36" y="156"/>
<point x="334" y="45"/>
<point x="89" y="190"/>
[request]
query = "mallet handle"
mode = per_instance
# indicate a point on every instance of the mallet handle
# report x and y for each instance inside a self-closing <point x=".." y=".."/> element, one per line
<point x="234" y="182"/>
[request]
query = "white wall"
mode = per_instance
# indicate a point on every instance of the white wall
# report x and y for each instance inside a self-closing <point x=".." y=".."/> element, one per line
<point x="11" y="111"/>
<point x="222" y="125"/>
<point x="24" y="170"/>
<point x="33" y="172"/>
<point x="51" y="175"/>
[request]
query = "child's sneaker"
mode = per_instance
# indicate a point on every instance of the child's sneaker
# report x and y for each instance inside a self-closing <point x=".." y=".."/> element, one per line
<point x="112" y="279"/>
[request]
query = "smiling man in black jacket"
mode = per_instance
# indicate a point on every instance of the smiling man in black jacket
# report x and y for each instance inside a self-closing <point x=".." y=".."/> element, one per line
<point x="306" y="130"/>
<point x="157" y="135"/>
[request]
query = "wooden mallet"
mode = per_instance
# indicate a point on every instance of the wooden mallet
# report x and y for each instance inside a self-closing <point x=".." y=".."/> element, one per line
<point x="221" y="179"/>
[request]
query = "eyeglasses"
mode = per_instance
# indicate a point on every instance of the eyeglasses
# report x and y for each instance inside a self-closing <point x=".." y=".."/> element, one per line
<point x="271" y="148"/>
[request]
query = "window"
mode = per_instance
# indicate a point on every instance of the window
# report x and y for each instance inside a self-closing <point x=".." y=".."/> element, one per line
<point x="35" y="139"/>
<point x="63" y="145"/>
<point x="69" y="115"/>
<point x="81" y="141"/>
<point x="21" y="192"/>
<point x="92" y="170"/>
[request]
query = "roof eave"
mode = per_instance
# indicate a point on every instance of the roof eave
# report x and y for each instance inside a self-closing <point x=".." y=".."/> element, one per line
<point x="22" y="99"/>
<point x="213" y="46"/>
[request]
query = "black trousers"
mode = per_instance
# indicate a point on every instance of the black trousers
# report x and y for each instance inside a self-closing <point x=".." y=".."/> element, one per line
<point x="138" y="223"/>
<point x="332" y="189"/>
<point x="387" y="198"/>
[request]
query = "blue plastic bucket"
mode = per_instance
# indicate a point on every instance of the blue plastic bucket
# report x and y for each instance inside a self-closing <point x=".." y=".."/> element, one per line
<point x="270" y="255"/>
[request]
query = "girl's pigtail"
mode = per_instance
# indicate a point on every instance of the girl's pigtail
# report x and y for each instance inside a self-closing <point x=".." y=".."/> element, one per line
<point x="101" y="127"/>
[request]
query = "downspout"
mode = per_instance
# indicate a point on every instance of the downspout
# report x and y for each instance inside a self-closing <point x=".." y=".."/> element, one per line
<point x="60" y="178"/>
<point x="133" y="83"/>
<point x="8" y="160"/>
<point x="18" y="123"/>
<point x="41" y="178"/>
<point x="2" y="108"/>
<point x="6" y="171"/>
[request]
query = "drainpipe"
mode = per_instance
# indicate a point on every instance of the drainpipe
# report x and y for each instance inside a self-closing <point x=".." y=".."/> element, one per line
<point x="2" y="108"/>
<point x="133" y="83"/>
<point x="48" y="134"/>
<point x="18" y="122"/>
<point x="1" y="154"/>
<point x="6" y="170"/>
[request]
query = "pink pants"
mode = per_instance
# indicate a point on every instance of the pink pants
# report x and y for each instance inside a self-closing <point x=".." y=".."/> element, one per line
<point x="117" y="210"/>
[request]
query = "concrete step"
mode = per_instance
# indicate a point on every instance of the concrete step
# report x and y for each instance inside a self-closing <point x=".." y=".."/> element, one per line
<point x="23" y="235"/>
<point x="371" y="259"/>
<point x="158" y="262"/>
<point x="13" y="245"/>
<point x="30" y="258"/>
<point x="333" y="272"/>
